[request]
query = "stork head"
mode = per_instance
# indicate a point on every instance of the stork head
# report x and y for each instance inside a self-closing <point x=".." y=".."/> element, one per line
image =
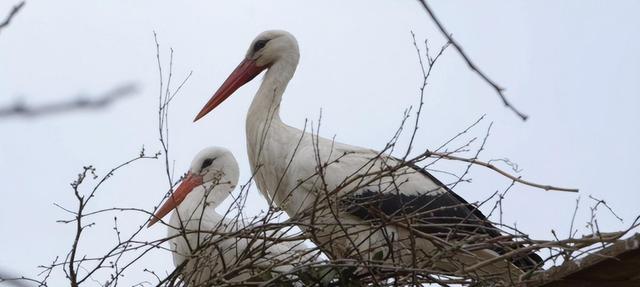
<point x="268" y="49"/>
<point x="212" y="167"/>
<point x="270" y="46"/>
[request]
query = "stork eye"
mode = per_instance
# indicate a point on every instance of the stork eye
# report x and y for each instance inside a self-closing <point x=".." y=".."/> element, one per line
<point x="259" y="45"/>
<point x="207" y="162"/>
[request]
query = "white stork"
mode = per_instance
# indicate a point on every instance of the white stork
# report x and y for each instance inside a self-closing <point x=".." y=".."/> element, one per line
<point x="286" y="160"/>
<point x="196" y="229"/>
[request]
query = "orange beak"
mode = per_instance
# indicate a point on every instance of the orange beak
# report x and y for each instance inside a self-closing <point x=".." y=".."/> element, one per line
<point x="188" y="184"/>
<point x="245" y="72"/>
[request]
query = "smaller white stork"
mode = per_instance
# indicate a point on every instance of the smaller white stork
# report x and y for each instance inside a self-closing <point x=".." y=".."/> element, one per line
<point x="205" y="244"/>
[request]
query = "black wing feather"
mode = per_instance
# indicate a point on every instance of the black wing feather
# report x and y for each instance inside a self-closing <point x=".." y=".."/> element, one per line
<point x="446" y="215"/>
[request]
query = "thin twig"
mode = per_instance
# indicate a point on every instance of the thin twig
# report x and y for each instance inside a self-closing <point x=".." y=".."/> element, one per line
<point x="16" y="8"/>
<point x="78" y="104"/>
<point x="500" y="171"/>
<point x="499" y="90"/>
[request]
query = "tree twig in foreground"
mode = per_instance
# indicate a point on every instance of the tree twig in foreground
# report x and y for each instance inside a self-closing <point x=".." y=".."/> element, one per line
<point x="16" y="8"/>
<point x="499" y="90"/>
<point x="80" y="103"/>
<point x="502" y="172"/>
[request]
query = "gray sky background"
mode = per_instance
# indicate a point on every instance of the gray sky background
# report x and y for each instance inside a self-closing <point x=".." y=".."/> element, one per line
<point x="573" y="66"/>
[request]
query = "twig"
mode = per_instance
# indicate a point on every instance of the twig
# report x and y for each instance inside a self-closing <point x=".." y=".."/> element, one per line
<point x="80" y="103"/>
<point x="16" y="8"/>
<point x="12" y="280"/>
<point x="499" y="90"/>
<point x="493" y="167"/>
<point x="601" y="201"/>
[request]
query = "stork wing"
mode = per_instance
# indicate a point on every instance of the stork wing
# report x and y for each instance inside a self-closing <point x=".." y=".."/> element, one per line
<point x="440" y="212"/>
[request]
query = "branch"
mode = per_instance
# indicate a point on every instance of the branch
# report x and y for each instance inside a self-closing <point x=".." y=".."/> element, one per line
<point x="499" y="90"/>
<point x="16" y="8"/>
<point x="12" y="280"/>
<point x="493" y="167"/>
<point x="80" y="103"/>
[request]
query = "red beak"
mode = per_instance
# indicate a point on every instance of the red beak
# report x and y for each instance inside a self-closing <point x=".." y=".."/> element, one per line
<point x="188" y="184"/>
<point x="245" y="72"/>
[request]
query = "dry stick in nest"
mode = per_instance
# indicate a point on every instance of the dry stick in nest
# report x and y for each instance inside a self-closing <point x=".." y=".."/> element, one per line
<point x="580" y="243"/>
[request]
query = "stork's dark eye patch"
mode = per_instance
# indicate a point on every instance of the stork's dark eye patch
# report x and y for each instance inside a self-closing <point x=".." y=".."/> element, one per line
<point x="206" y="163"/>
<point x="259" y="45"/>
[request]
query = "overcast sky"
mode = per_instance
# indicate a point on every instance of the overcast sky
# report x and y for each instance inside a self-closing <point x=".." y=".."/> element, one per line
<point x="573" y="66"/>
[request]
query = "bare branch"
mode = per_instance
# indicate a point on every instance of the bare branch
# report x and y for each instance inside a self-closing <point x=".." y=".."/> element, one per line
<point x="13" y="280"/>
<point x="500" y="171"/>
<point x="78" y="104"/>
<point x="499" y="90"/>
<point x="16" y="8"/>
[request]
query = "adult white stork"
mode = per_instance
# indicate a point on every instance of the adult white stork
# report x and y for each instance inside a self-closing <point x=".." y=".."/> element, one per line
<point x="204" y="238"/>
<point x="297" y="170"/>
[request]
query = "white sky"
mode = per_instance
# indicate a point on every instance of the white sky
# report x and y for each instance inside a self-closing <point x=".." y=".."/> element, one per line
<point x="572" y="66"/>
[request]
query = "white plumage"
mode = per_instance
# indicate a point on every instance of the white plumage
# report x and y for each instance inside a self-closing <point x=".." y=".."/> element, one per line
<point x="287" y="164"/>
<point x="203" y="239"/>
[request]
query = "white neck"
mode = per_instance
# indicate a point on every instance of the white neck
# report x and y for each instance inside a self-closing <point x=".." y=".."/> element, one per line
<point x="266" y="103"/>
<point x="264" y="113"/>
<point x="266" y="133"/>
<point x="204" y="199"/>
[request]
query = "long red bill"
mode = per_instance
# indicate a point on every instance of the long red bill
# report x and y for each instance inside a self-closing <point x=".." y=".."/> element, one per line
<point x="188" y="184"/>
<point x="245" y="72"/>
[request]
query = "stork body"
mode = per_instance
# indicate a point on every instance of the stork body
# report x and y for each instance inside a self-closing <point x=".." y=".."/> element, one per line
<point x="304" y="173"/>
<point x="202" y="239"/>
